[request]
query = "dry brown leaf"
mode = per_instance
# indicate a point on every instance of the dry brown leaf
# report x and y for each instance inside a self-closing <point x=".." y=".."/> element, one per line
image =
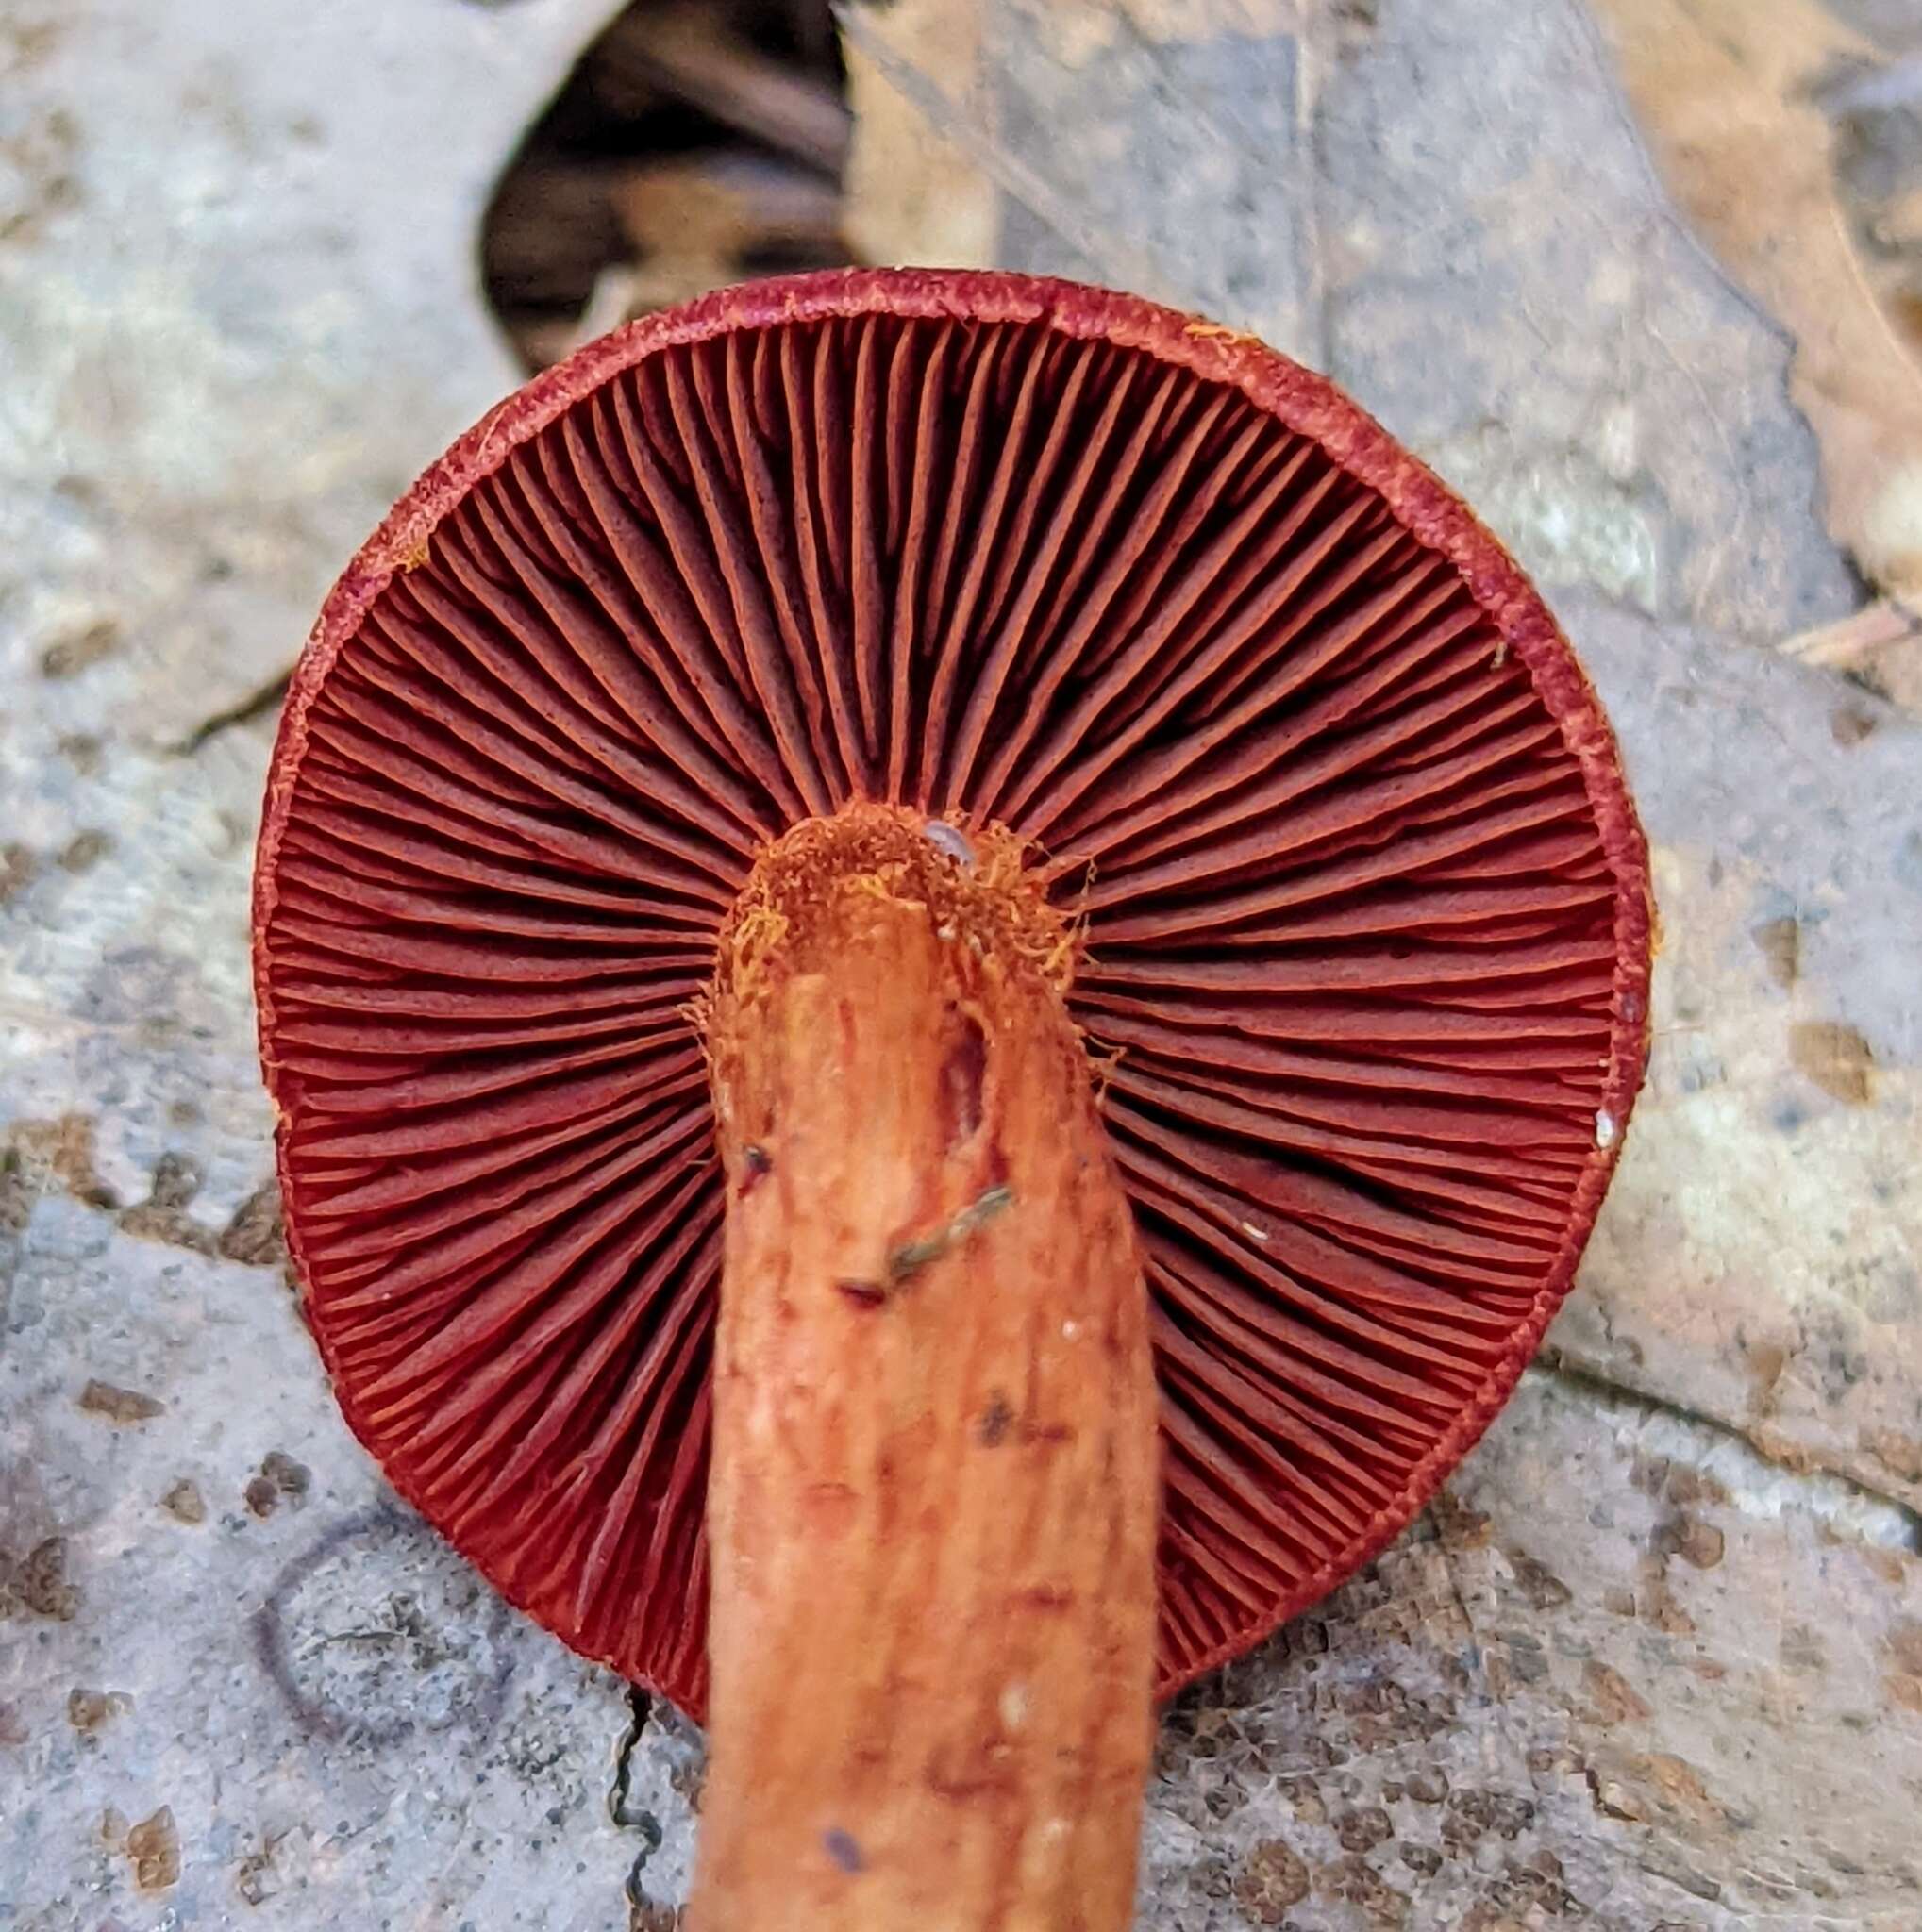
<point x="723" y="207"/>
<point x="1727" y="91"/>
<point x="696" y="222"/>
<point x="914" y="191"/>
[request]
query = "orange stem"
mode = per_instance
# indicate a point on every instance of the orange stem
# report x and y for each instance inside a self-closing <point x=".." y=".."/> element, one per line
<point x="934" y="1493"/>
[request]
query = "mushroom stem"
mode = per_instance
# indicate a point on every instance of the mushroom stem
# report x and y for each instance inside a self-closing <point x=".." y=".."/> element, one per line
<point x="933" y="1502"/>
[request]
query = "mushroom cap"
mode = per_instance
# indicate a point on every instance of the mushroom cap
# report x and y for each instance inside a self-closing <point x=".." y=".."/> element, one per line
<point x="1365" y="902"/>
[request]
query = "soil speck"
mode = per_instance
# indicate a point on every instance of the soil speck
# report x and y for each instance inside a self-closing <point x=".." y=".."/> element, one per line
<point x="88" y="1711"/>
<point x="1779" y="942"/>
<point x="184" y="1501"/>
<point x="39" y="1581"/>
<point x="256" y="1235"/>
<point x="1837" y="1058"/>
<point x="1611" y="1695"/>
<point x="85" y="850"/>
<point x="1272" y="1878"/>
<point x="120" y="1405"/>
<point x="76" y="650"/>
<point x="154" y="1848"/>
<point x="18" y="867"/>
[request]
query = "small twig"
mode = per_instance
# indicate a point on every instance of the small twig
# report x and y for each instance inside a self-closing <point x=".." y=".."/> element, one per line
<point x="1847" y="644"/>
<point x="910" y="1256"/>
<point x="684" y="51"/>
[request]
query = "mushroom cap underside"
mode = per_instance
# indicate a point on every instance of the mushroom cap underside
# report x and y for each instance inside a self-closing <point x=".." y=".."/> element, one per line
<point x="1363" y="899"/>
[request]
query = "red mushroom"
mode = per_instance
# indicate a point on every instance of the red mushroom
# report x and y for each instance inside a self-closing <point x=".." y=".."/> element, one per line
<point x="961" y="888"/>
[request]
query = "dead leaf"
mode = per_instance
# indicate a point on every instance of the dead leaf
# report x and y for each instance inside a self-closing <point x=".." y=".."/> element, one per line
<point x="915" y="191"/>
<point x="1730" y="94"/>
<point x="697" y="223"/>
<point x="722" y="206"/>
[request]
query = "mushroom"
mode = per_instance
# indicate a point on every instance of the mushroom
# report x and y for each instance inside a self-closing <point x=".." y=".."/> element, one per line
<point x="950" y="970"/>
